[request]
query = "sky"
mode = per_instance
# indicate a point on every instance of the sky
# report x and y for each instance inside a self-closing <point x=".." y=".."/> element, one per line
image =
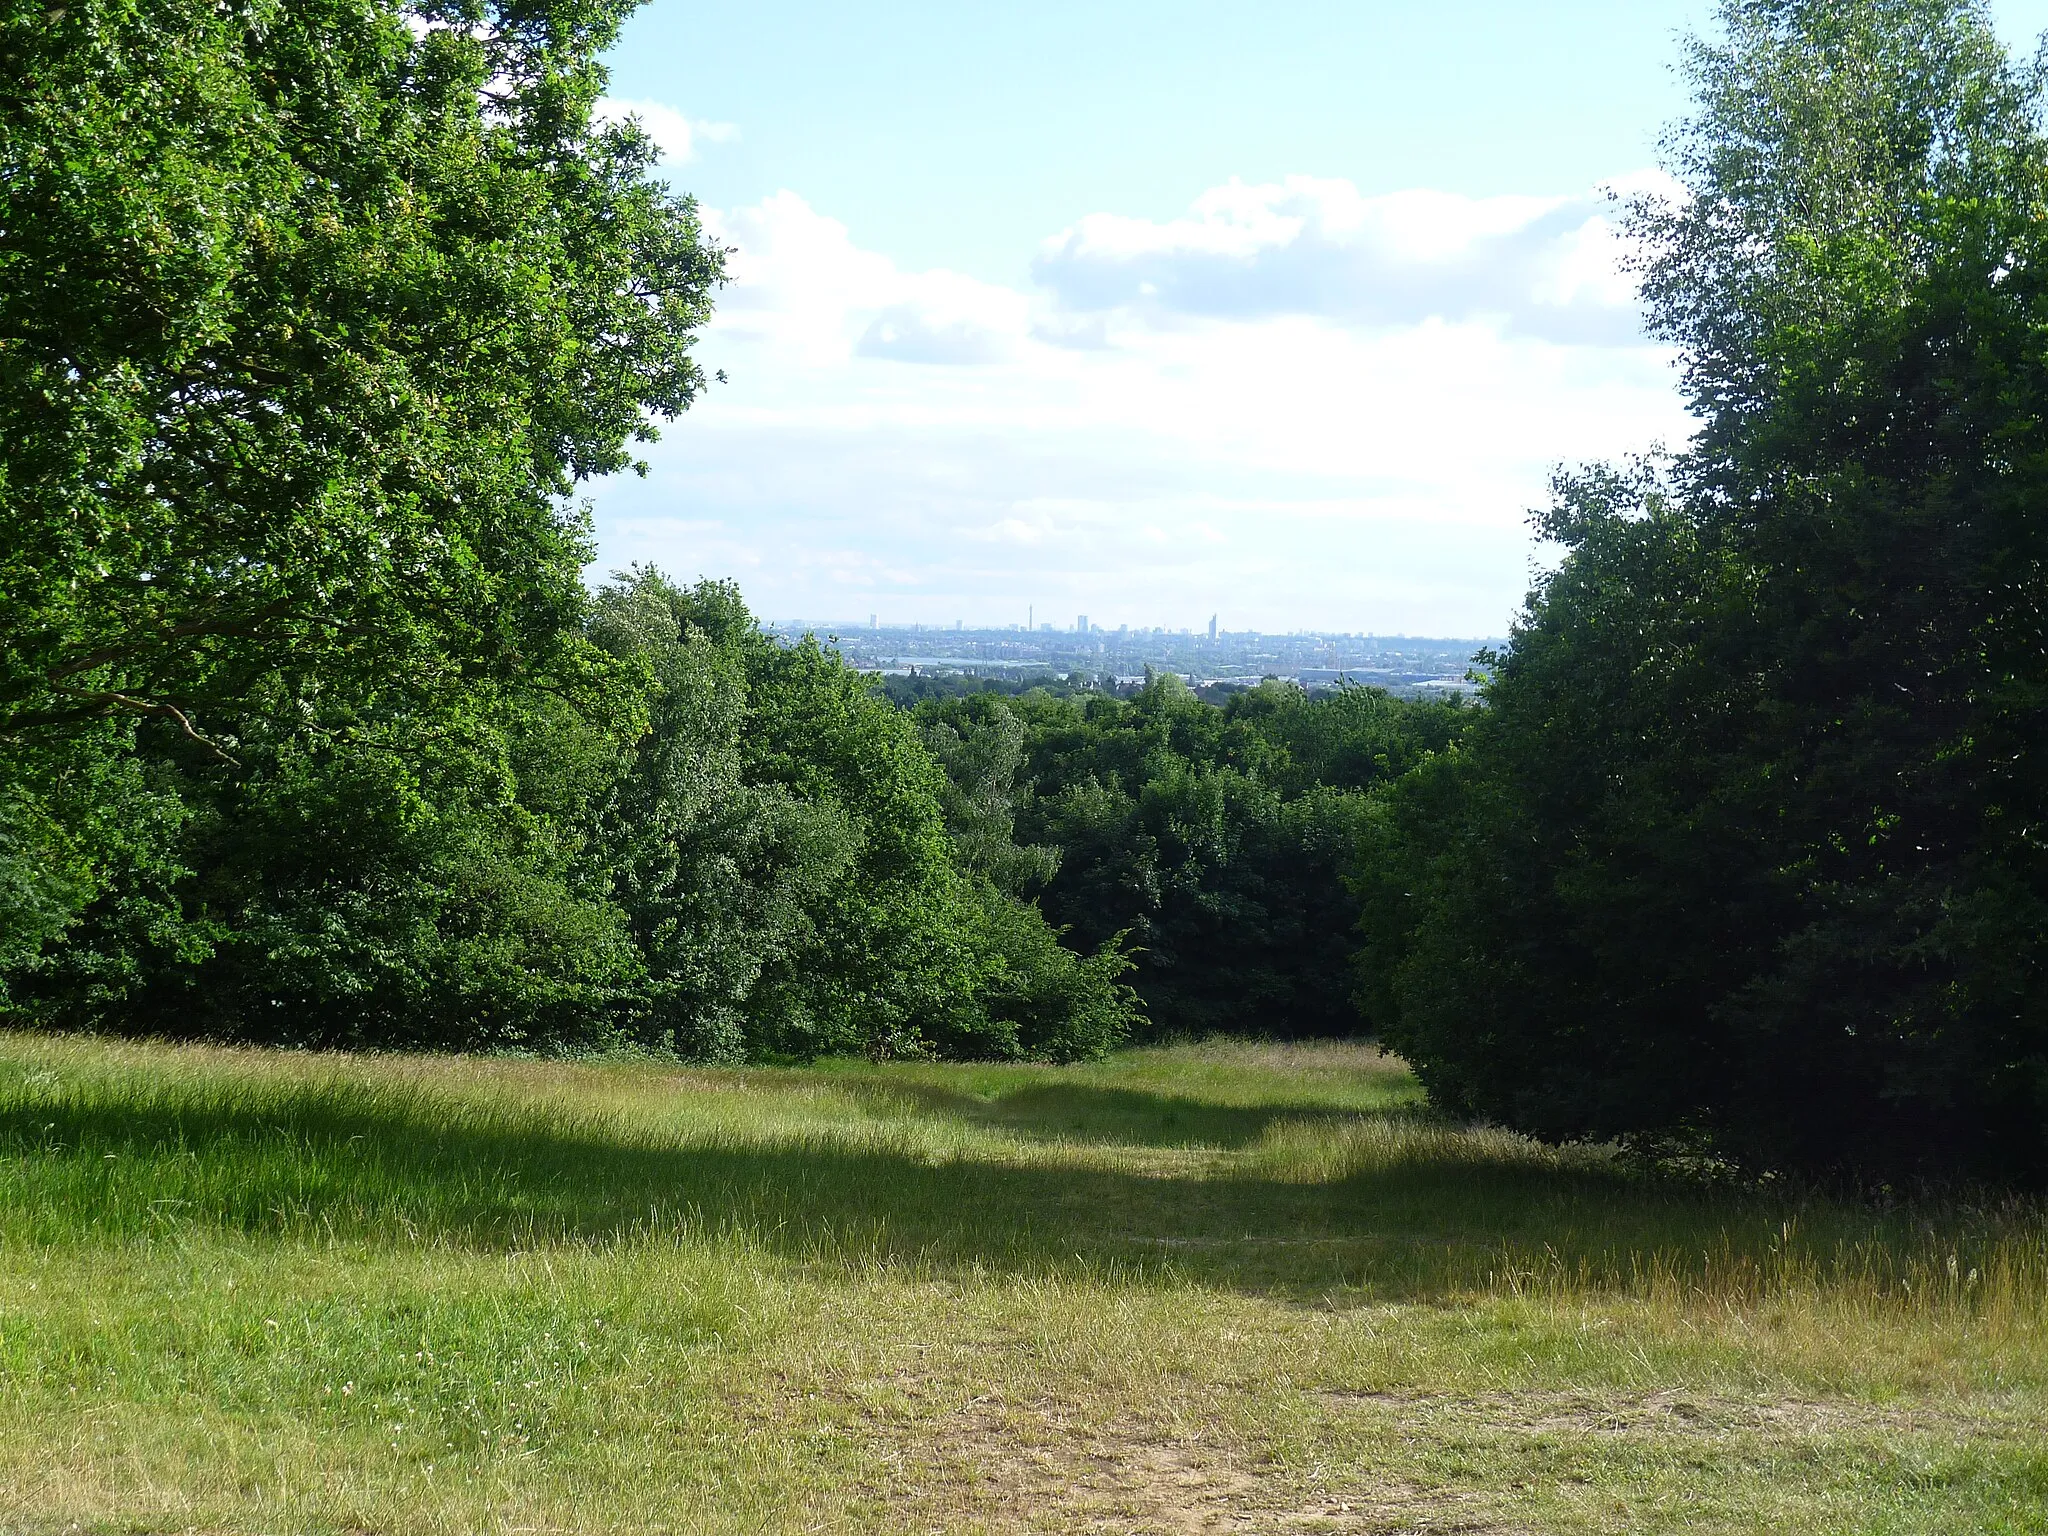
<point x="1283" y="312"/>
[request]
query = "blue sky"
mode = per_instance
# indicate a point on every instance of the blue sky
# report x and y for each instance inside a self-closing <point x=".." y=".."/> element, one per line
<point x="1149" y="311"/>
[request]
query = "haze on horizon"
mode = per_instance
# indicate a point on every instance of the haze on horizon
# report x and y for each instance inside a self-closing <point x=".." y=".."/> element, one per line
<point x="1151" y="312"/>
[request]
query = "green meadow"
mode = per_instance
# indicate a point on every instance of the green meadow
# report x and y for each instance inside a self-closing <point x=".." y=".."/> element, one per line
<point x="1226" y="1287"/>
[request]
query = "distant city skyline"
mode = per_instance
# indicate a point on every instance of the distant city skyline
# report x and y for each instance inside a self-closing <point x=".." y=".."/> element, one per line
<point x="874" y="623"/>
<point x="1153" y="310"/>
<point x="1122" y="657"/>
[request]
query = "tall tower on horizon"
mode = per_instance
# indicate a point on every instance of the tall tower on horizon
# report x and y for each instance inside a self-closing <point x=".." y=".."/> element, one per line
<point x="1212" y="626"/>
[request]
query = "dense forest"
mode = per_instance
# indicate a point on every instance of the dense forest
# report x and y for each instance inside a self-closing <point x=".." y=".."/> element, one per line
<point x="1217" y="843"/>
<point x="313" y="728"/>
<point x="742" y="851"/>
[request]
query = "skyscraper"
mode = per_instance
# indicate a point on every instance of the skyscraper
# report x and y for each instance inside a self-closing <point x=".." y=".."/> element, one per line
<point x="1212" y="626"/>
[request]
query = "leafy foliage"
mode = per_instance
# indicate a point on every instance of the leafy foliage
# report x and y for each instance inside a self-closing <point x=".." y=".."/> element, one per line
<point x="313" y="314"/>
<point x="1747" y="850"/>
<point x="1216" y="841"/>
<point x="311" y="311"/>
<point x="750" y="861"/>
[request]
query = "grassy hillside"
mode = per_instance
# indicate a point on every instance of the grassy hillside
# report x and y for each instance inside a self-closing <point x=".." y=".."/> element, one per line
<point x="1223" y="1288"/>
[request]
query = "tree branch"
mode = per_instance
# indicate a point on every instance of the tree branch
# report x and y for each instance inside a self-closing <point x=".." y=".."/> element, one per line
<point x="99" y="705"/>
<point x="190" y="628"/>
<point x="148" y="707"/>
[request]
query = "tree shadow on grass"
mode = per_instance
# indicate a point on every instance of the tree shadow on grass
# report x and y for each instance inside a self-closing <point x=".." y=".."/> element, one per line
<point x="333" y="1161"/>
<point x="1070" y="1112"/>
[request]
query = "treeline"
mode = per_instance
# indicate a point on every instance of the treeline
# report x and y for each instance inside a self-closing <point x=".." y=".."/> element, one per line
<point x="1219" y="844"/>
<point x="310" y="729"/>
<point x="723" y="847"/>
<point x="728" y="848"/>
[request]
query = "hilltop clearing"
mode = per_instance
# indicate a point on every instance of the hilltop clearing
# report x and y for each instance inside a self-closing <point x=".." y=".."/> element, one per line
<point x="1213" y="1288"/>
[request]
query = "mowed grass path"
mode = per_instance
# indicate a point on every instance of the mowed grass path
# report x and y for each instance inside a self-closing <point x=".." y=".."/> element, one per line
<point x="1222" y="1288"/>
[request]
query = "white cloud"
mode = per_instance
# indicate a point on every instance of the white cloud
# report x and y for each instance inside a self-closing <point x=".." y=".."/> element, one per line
<point x="915" y="333"/>
<point x="1330" y="411"/>
<point x="1543" y="266"/>
<point x="801" y="283"/>
<point x="674" y="134"/>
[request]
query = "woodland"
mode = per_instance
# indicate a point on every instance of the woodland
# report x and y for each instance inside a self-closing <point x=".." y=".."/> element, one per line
<point x="315" y="729"/>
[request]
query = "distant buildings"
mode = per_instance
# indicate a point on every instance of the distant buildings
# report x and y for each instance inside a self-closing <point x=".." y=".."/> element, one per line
<point x="1211" y="659"/>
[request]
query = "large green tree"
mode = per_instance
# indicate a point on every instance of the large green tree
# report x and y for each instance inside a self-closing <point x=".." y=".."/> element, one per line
<point x="1748" y="851"/>
<point x="312" y="312"/>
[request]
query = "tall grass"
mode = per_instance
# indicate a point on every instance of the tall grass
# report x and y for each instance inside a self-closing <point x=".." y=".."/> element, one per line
<point x="427" y="1293"/>
<point x="1279" y="1171"/>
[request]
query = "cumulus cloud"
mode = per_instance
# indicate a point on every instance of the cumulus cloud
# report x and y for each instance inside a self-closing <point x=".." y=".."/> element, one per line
<point x="913" y="333"/>
<point x="674" y="134"/>
<point x="798" y="279"/>
<point x="1297" y="406"/>
<point x="1539" y="266"/>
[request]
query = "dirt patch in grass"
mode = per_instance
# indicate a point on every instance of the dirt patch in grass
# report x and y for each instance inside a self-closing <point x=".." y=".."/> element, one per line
<point x="1030" y="1469"/>
<point x="997" y="1466"/>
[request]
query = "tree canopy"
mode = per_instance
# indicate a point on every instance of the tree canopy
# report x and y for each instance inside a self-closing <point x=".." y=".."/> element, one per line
<point x="312" y="312"/>
<point x="1746" y="851"/>
<point x="1218" y="842"/>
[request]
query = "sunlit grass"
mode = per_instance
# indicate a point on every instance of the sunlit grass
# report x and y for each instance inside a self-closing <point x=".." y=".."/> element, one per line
<point x="258" y="1291"/>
